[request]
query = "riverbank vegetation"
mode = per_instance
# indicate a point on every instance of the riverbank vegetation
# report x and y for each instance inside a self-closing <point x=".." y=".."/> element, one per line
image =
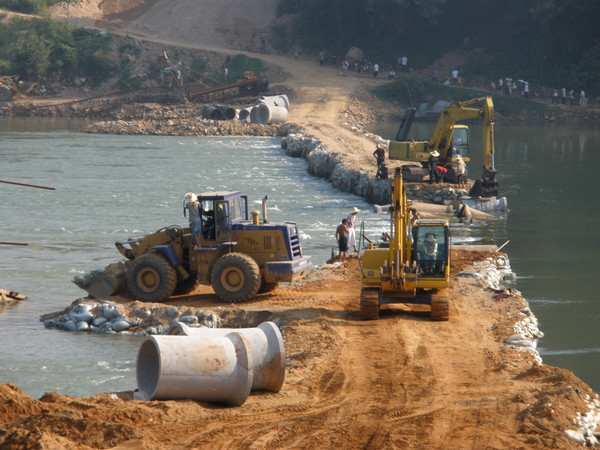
<point x="549" y="43"/>
<point x="43" y="48"/>
<point x="411" y="91"/>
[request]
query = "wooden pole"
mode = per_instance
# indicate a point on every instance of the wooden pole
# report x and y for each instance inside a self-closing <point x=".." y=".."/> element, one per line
<point x="13" y="243"/>
<point x="28" y="185"/>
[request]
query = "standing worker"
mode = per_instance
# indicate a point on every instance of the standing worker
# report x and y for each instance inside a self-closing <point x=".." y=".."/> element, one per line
<point x="190" y="202"/>
<point x="432" y="166"/>
<point x="461" y="173"/>
<point x="379" y="153"/>
<point x="351" y="229"/>
<point x="341" y="235"/>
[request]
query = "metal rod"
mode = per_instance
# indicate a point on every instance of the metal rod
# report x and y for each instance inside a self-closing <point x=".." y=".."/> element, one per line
<point x="29" y="185"/>
<point x="498" y="249"/>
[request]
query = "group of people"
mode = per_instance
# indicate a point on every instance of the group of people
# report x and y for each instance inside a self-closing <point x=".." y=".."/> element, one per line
<point x="345" y="234"/>
<point x="569" y="97"/>
<point x="438" y="173"/>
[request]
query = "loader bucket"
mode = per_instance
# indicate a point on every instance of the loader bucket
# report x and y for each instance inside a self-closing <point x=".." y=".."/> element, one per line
<point x="111" y="281"/>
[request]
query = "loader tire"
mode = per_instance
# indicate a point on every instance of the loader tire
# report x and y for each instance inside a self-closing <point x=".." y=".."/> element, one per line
<point x="151" y="278"/>
<point x="369" y="303"/>
<point x="235" y="277"/>
<point x="5" y="93"/>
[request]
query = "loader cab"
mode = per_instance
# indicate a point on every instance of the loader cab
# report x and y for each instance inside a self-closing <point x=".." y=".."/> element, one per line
<point x="219" y="211"/>
<point x="430" y="248"/>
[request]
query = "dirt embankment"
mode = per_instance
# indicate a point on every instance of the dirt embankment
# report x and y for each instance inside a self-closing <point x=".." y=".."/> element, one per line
<point x="400" y="382"/>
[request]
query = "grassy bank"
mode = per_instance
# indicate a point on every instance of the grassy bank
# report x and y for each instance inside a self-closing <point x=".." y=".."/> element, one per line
<point x="410" y="91"/>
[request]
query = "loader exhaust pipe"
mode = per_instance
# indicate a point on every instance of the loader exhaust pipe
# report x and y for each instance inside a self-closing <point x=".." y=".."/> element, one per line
<point x="264" y="209"/>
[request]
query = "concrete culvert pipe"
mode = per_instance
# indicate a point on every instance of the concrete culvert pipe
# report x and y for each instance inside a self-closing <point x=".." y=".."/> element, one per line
<point x="267" y="114"/>
<point x="204" y="368"/>
<point x="266" y="345"/>
<point x="207" y="112"/>
<point x="228" y="113"/>
<point x="276" y="100"/>
<point x="253" y="112"/>
<point x="244" y="114"/>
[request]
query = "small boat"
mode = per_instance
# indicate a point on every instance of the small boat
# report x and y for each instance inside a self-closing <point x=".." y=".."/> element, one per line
<point x="9" y="296"/>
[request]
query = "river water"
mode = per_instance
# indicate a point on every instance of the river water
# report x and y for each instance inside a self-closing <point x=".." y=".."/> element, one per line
<point x="109" y="188"/>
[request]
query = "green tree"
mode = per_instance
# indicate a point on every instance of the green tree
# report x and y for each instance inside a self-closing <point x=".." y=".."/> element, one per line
<point x="30" y="56"/>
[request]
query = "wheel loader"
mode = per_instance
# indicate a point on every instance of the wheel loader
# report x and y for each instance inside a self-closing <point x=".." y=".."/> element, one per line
<point x="412" y="266"/>
<point x="10" y="87"/>
<point x="238" y="257"/>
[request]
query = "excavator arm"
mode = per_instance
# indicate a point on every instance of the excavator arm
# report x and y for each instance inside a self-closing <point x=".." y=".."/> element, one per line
<point x="460" y="111"/>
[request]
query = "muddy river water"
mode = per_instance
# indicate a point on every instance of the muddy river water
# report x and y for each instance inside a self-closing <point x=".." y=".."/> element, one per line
<point x="109" y="188"/>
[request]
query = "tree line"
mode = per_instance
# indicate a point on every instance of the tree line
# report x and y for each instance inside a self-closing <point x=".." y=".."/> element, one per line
<point x="550" y="42"/>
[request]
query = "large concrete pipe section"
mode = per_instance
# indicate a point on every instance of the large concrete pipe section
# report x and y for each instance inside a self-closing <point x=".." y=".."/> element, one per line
<point x="276" y="100"/>
<point x="267" y="114"/>
<point x="267" y="347"/>
<point x="244" y="114"/>
<point x="227" y="112"/>
<point x="204" y="368"/>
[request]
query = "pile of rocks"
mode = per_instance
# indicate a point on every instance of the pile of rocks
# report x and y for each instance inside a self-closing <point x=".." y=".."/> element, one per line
<point x="434" y="193"/>
<point x="587" y="424"/>
<point x="331" y="166"/>
<point x="106" y="317"/>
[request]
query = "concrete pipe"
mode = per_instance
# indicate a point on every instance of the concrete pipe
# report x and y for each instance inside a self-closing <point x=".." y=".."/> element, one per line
<point x="228" y="113"/>
<point x="253" y="112"/>
<point x="266" y="344"/>
<point x="204" y="368"/>
<point x="207" y="112"/>
<point x="267" y="114"/>
<point x="276" y="100"/>
<point x="244" y="114"/>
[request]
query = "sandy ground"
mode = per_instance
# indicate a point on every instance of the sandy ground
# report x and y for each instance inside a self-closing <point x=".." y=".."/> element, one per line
<point x="400" y="382"/>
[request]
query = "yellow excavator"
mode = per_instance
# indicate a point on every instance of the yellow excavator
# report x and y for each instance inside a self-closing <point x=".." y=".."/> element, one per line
<point x="450" y="140"/>
<point x="412" y="266"/>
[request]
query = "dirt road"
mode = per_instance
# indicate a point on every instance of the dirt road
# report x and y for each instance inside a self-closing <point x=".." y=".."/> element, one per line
<point x="400" y="382"/>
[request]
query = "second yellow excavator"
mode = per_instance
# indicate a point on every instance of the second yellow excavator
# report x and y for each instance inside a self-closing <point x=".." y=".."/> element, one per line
<point x="450" y="140"/>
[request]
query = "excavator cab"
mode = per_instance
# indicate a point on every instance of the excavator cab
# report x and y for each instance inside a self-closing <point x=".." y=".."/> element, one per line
<point x="460" y="143"/>
<point x="430" y="249"/>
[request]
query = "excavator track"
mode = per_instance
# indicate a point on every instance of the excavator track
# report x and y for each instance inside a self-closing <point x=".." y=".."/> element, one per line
<point x="440" y="308"/>
<point x="369" y="303"/>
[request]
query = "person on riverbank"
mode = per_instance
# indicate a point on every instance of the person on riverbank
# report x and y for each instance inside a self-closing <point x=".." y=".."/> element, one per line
<point x="582" y="99"/>
<point x="375" y="70"/>
<point x="351" y="228"/>
<point x="295" y="50"/>
<point x="432" y="166"/>
<point x="341" y="235"/>
<point x="442" y="171"/>
<point x="192" y="206"/>
<point x="379" y="154"/>
<point x="382" y="172"/>
<point x="461" y="173"/>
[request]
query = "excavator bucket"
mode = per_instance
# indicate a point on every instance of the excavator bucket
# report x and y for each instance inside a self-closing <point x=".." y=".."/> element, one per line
<point x="104" y="283"/>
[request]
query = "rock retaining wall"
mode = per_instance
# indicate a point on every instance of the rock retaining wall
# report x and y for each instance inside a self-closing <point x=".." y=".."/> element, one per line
<point x="348" y="178"/>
